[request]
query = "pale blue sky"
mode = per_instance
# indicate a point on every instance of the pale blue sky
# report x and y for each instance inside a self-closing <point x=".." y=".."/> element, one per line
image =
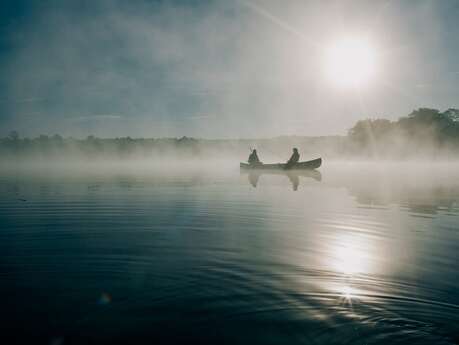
<point x="216" y="68"/>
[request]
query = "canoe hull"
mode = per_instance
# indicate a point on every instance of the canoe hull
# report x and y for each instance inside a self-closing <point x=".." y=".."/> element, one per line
<point x="308" y="165"/>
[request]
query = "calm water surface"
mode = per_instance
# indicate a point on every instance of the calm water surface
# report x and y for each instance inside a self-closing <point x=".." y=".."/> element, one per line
<point x="356" y="254"/>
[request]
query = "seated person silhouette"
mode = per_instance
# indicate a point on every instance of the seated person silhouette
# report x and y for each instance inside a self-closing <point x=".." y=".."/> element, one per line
<point x="293" y="159"/>
<point x="253" y="158"/>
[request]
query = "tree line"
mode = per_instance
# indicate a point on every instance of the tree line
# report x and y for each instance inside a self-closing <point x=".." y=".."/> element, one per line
<point x="425" y="132"/>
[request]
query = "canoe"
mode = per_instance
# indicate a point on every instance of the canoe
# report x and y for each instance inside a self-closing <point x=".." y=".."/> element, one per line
<point x="307" y="165"/>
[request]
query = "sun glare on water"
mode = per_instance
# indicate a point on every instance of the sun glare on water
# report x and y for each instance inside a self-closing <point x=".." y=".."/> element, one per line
<point x="350" y="62"/>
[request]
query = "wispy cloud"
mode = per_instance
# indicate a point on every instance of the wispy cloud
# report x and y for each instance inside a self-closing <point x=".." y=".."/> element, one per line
<point x="23" y="100"/>
<point x="31" y="113"/>
<point x="95" y="117"/>
<point x="199" y="117"/>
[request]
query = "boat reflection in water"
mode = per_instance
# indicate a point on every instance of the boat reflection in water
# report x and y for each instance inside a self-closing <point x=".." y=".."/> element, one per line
<point x="292" y="175"/>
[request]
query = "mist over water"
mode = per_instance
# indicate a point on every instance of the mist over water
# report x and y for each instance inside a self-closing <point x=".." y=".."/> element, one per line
<point x="356" y="253"/>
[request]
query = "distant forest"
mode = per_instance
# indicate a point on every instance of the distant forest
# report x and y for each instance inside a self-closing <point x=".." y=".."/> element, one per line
<point x="425" y="133"/>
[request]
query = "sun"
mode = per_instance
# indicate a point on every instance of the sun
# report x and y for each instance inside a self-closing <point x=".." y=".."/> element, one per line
<point x="350" y="62"/>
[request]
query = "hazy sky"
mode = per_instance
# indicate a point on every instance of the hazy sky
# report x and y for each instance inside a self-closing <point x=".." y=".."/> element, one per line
<point x="217" y="68"/>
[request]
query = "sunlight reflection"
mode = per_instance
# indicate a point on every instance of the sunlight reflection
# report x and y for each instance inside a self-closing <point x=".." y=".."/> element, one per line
<point x="353" y="257"/>
<point x="351" y="254"/>
<point x="347" y="292"/>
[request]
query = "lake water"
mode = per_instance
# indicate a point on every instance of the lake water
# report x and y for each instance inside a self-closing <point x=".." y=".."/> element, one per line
<point x="356" y="254"/>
